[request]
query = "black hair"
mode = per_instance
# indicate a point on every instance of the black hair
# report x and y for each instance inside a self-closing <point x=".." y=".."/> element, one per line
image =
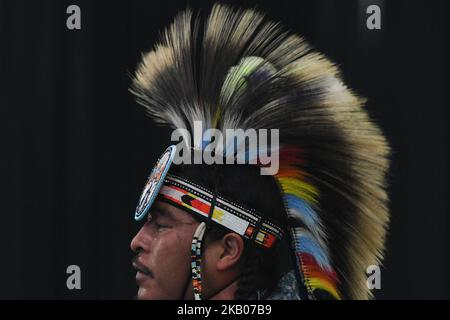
<point x="244" y="184"/>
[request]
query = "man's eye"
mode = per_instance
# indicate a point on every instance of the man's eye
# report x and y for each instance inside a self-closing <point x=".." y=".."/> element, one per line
<point x="161" y="226"/>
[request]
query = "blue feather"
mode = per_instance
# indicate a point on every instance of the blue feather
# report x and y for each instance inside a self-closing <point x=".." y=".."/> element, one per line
<point x="300" y="209"/>
<point x="306" y="243"/>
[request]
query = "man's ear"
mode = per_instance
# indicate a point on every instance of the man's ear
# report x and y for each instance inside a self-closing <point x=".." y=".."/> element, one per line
<point x="232" y="248"/>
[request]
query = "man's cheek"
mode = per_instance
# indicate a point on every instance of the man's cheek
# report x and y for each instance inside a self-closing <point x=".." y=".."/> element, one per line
<point x="166" y="254"/>
<point x="174" y="244"/>
<point x="176" y="255"/>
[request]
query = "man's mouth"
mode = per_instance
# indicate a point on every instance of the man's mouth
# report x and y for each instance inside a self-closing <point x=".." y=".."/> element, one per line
<point x="141" y="268"/>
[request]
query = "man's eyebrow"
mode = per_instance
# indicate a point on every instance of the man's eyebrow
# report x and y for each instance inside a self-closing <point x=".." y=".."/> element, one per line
<point x="163" y="212"/>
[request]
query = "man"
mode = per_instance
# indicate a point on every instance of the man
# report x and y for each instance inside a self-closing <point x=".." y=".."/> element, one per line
<point x="163" y="263"/>
<point x="225" y="231"/>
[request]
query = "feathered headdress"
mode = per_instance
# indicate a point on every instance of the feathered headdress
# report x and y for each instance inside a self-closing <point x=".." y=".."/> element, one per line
<point x="240" y="71"/>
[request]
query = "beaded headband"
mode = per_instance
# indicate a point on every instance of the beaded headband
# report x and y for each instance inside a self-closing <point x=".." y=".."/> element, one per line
<point x="198" y="200"/>
<point x="246" y="222"/>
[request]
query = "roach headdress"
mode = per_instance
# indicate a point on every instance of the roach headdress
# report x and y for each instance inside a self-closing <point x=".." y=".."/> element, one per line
<point x="237" y="70"/>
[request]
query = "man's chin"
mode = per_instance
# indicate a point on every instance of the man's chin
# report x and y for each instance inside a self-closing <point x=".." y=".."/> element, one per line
<point x="143" y="294"/>
<point x="147" y="294"/>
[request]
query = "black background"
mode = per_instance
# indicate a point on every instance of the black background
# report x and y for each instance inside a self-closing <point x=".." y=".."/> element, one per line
<point x="76" y="149"/>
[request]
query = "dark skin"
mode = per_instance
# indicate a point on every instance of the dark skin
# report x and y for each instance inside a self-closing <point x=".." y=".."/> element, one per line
<point x="163" y="248"/>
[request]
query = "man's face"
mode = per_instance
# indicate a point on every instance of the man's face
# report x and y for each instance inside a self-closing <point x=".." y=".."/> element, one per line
<point x="163" y="252"/>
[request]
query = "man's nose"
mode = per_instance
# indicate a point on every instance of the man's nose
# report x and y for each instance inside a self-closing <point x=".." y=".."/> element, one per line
<point x="140" y="241"/>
